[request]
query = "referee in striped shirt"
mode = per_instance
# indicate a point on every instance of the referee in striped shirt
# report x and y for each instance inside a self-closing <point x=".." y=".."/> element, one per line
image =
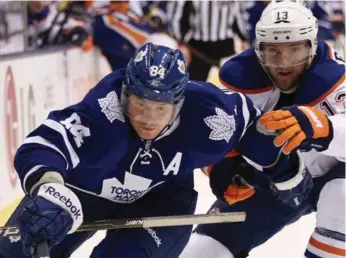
<point x="208" y="29"/>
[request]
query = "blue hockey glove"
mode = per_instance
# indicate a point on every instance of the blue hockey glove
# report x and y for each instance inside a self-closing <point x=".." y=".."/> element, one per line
<point x="288" y="178"/>
<point x="53" y="211"/>
<point x="227" y="179"/>
<point x="290" y="181"/>
<point x="305" y="128"/>
<point x="234" y="180"/>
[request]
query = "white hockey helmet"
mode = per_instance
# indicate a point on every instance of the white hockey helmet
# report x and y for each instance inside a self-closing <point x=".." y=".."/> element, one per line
<point x="284" y="21"/>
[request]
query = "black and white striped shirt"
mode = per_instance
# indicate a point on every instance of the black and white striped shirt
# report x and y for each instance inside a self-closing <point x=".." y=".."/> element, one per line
<point x="207" y="21"/>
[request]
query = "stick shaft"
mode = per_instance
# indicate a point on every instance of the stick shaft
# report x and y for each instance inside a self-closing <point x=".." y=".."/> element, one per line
<point x="147" y="222"/>
<point x="165" y="221"/>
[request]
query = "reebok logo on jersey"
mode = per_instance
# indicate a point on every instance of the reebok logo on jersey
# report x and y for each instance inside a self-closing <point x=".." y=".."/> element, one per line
<point x="154" y="236"/>
<point x="64" y="200"/>
<point x="313" y="117"/>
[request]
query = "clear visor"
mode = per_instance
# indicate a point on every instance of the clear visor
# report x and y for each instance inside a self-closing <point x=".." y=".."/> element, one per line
<point x="285" y="54"/>
<point x="148" y="112"/>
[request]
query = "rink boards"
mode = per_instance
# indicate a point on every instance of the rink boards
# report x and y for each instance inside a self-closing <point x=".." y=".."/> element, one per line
<point x="31" y="85"/>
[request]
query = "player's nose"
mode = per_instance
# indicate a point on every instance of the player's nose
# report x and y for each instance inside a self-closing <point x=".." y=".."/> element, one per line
<point x="148" y="115"/>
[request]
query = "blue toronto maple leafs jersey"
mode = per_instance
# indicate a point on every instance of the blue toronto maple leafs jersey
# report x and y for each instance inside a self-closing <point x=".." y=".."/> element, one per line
<point x="94" y="147"/>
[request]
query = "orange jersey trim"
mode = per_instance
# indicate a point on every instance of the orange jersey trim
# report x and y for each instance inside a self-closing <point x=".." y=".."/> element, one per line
<point x="232" y="153"/>
<point x="337" y="84"/>
<point x="207" y="170"/>
<point x="233" y="88"/>
<point x="138" y="37"/>
<point x="327" y="248"/>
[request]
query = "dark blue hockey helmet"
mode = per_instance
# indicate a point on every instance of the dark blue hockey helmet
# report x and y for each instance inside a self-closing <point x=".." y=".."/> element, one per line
<point x="157" y="73"/>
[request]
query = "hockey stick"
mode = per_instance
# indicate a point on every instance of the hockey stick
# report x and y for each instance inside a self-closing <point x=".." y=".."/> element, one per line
<point x="146" y="222"/>
<point x="164" y="221"/>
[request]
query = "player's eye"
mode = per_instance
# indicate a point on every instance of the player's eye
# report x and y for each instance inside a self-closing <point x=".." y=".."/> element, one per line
<point x="273" y="51"/>
<point x="296" y="49"/>
<point x="161" y="108"/>
<point x="140" y="104"/>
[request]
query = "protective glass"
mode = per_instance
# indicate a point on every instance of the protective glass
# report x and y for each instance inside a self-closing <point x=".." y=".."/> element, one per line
<point x="285" y="54"/>
<point x="148" y="112"/>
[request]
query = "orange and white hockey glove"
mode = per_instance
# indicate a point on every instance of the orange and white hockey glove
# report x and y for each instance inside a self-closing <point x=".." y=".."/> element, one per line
<point x="300" y="127"/>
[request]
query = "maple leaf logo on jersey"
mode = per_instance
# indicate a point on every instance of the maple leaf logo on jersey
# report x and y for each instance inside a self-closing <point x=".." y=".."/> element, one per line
<point x="111" y="107"/>
<point x="222" y="125"/>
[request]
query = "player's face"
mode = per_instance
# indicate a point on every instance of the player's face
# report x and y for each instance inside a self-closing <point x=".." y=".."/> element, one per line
<point x="147" y="117"/>
<point x="286" y="62"/>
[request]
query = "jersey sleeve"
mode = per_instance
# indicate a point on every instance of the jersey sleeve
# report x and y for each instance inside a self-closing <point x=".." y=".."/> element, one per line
<point x="333" y="103"/>
<point x="337" y="146"/>
<point x="74" y="135"/>
<point x="221" y="122"/>
<point x="334" y="106"/>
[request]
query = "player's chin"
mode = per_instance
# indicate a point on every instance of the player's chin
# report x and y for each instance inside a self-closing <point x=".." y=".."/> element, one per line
<point x="285" y="87"/>
<point x="286" y="84"/>
<point x="147" y="134"/>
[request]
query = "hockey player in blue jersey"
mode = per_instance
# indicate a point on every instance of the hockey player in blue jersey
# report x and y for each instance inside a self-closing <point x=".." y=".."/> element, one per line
<point x="128" y="149"/>
<point x="287" y="67"/>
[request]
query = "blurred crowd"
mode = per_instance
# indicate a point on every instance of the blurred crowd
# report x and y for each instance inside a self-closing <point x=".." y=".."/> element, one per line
<point x="119" y="28"/>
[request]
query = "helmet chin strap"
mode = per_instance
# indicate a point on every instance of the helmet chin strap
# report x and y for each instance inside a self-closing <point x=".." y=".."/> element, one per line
<point x="175" y="119"/>
<point x="176" y="111"/>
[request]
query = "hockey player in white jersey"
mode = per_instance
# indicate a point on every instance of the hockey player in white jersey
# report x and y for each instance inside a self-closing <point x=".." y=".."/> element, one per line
<point x="287" y="67"/>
